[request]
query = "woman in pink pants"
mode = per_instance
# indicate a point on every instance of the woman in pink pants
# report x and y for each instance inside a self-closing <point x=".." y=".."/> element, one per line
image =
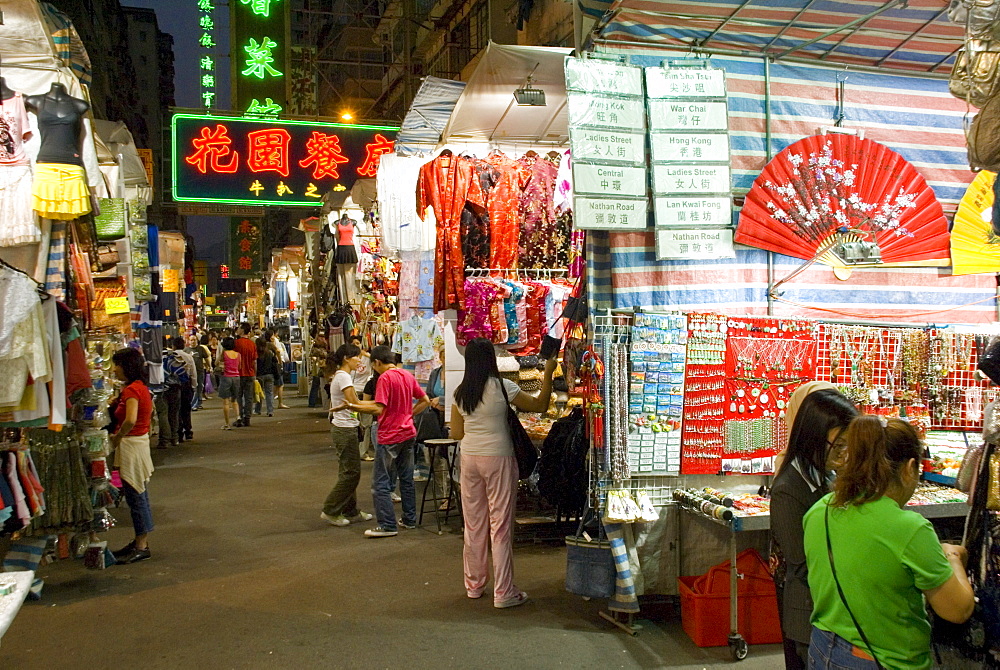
<point x="489" y="469"/>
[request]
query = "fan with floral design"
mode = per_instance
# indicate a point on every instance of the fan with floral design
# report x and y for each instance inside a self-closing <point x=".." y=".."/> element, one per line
<point x="828" y="195"/>
<point x="975" y="246"/>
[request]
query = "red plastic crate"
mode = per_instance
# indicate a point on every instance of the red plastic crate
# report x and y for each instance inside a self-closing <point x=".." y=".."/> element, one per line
<point x="705" y="618"/>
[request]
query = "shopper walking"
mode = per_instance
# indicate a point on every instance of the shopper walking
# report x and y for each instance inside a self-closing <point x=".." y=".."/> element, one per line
<point x="871" y="561"/>
<point x="393" y="405"/>
<point x="489" y="469"/>
<point x="341" y="506"/>
<point x="361" y="375"/>
<point x="267" y="371"/>
<point x="317" y="367"/>
<point x="229" y="382"/>
<point x="247" y="350"/>
<point x="133" y="415"/>
<point x="189" y="384"/>
<point x="175" y="378"/>
<point x="279" y="380"/>
<point x="201" y="359"/>
<point x="817" y="415"/>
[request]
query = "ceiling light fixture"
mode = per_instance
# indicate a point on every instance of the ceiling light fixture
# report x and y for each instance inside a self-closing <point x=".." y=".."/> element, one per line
<point x="528" y="95"/>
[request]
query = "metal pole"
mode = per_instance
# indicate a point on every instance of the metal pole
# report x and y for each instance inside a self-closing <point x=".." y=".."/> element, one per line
<point x="767" y="153"/>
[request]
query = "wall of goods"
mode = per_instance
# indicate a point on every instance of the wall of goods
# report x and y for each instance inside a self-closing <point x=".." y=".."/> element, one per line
<point x="706" y="393"/>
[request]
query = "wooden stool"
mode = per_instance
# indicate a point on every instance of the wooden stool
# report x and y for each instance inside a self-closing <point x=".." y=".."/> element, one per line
<point x="448" y="449"/>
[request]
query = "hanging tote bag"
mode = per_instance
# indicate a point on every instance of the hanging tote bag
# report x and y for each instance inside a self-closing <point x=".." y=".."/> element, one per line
<point x="524" y="449"/>
<point x="110" y="223"/>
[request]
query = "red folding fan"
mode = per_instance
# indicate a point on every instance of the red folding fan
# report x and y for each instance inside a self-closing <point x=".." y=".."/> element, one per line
<point x="829" y="189"/>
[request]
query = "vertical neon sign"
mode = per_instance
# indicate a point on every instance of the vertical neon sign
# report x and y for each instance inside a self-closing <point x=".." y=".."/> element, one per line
<point x="206" y="63"/>
<point x="259" y="55"/>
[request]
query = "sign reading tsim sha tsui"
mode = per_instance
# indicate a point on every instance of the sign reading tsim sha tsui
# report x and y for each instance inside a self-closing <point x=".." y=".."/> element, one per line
<point x="271" y="162"/>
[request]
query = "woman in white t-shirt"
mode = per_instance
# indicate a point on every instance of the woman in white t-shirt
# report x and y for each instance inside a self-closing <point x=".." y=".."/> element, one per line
<point x="341" y="506"/>
<point x="489" y="469"/>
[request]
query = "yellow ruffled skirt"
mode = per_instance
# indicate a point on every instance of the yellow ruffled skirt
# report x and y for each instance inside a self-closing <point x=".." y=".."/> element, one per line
<point x="60" y="191"/>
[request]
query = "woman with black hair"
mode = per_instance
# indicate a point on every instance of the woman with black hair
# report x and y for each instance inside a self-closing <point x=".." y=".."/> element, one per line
<point x="341" y="506"/>
<point x="817" y="415"/>
<point x="133" y="415"/>
<point x="872" y="562"/>
<point x="489" y="470"/>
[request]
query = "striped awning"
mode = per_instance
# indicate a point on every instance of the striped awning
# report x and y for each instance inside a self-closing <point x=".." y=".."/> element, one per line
<point x="428" y="115"/>
<point x="911" y="35"/>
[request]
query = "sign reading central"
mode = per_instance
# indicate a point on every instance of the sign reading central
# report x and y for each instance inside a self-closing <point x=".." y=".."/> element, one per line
<point x="268" y="162"/>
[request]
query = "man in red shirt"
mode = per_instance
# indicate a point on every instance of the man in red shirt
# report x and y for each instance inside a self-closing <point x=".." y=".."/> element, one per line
<point x="248" y="373"/>
<point x="393" y="404"/>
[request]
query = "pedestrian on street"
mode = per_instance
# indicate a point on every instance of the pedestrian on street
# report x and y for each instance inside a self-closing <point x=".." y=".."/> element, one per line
<point x="247" y="350"/>
<point x="282" y="353"/>
<point x="198" y="355"/>
<point x="341" y="506"/>
<point x="267" y="372"/>
<point x="489" y="474"/>
<point x="188" y="387"/>
<point x="393" y="405"/>
<point x="133" y="415"/>
<point x="317" y="367"/>
<point x="229" y="382"/>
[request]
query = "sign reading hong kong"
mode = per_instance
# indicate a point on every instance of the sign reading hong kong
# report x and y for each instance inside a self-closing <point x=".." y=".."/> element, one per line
<point x="271" y="162"/>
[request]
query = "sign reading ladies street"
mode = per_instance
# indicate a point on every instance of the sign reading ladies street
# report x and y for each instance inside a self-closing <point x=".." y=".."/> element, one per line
<point x="607" y="132"/>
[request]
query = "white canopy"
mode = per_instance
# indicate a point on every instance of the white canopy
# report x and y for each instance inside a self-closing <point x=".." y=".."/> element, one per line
<point x="487" y="112"/>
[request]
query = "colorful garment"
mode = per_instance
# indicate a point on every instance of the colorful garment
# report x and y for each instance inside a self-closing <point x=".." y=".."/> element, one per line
<point x="536" y="318"/>
<point x="498" y="317"/>
<point x="539" y="231"/>
<point x="416" y="290"/>
<point x="14" y="130"/>
<point x="475" y="316"/>
<point x="511" y="298"/>
<point x="447" y="183"/>
<point x="504" y="206"/>
<point x="416" y="339"/>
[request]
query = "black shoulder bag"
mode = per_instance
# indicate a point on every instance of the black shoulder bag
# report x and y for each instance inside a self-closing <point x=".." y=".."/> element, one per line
<point x="843" y="598"/>
<point x="524" y="449"/>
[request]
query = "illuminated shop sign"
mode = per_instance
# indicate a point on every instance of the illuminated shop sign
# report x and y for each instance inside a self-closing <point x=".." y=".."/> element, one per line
<point x="258" y="44"/>
<point x="206" y="63"/>
<point x="270" y="162"/>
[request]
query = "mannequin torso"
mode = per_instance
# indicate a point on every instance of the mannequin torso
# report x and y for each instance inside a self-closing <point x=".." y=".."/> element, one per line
<point x="60" y="120"/>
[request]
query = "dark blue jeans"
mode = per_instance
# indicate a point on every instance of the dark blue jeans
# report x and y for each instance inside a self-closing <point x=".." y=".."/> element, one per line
<point x="245" y="398"/>
<point x="138" y="507"/>
<point x="829" y="651"/>
<point x="315" y="397"/>
<point x="397" y="459"/>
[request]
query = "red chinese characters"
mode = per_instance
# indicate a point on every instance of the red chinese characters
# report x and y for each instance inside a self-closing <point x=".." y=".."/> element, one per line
<point x="268" y="150"/>
<point x="212" y="146"/>
<point x="374" y="151"/>
<point x="324" y="153"/>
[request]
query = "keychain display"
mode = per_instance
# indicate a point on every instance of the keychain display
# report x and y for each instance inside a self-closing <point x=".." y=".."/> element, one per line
<point x="656" y="393"/>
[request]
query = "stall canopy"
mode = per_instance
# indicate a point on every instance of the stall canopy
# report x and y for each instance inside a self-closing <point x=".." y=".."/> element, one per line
<point x="894" y="34"/>
<point x="428" y="115"/>
<point x="487" y="111"/>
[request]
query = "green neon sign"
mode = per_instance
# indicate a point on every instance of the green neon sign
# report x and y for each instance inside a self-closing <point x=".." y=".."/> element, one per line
<point x="268" y="108"/>
<point x="259" y="61"/>
<point x="259" y="7"/>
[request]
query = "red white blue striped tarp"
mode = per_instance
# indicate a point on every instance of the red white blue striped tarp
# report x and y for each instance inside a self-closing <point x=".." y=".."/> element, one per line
<point x="914" y="116"/>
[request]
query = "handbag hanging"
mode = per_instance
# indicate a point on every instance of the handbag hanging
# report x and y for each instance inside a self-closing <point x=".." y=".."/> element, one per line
<point x="110" y="223"/>
<point x="524" y="449"/>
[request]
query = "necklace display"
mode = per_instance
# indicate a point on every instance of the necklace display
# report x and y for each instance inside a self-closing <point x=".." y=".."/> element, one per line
<point x="705" y="399"/>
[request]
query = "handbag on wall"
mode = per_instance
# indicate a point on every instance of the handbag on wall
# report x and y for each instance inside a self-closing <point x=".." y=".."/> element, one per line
<point x="524" y="449"/>
<point x="975" y="77"/>
<point x="110" y="223"/>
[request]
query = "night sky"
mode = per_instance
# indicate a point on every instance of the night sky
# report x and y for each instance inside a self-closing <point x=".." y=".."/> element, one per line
<point x="179" y="18"/>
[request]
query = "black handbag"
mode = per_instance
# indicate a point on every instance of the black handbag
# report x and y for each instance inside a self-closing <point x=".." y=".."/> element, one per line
<point x="430" y="425"/>
<point x="524" y="449"/>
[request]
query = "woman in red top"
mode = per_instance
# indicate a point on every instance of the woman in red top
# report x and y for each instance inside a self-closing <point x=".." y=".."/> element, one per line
<point x="131" y="444"/>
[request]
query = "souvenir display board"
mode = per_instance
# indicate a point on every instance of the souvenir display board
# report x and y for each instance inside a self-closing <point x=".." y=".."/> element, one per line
<point x="656" y="393"/>
<point x="704" y="394"/>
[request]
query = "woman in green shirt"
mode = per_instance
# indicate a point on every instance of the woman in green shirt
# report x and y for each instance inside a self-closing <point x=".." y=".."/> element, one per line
<point x="871" y="561"/>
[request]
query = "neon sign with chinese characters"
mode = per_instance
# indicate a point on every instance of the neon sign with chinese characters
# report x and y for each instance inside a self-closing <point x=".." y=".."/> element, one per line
<point x="259" y="51"/>
<point x="271" y="162"/>
<point x="206" y="62"/>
